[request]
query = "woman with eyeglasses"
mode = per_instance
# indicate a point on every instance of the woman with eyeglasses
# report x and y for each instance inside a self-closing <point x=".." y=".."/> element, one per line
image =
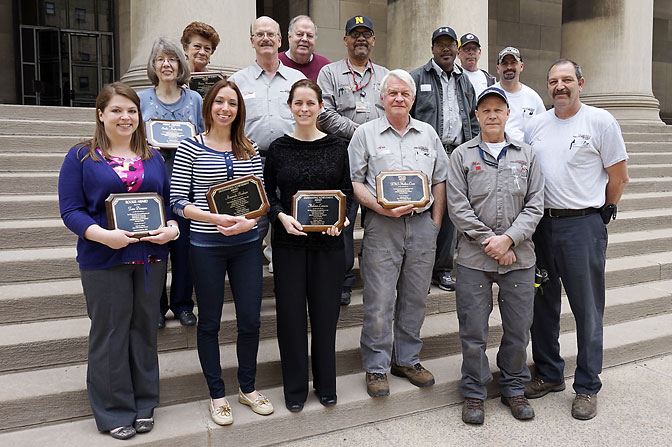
<point x="199" y="41"/>
<point x="168" y="70"/>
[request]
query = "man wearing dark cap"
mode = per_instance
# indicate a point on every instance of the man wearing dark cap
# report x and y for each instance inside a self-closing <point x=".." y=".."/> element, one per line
<point x="495" y="193"/>
<point x="524" y="102"/>
<point x="351" y="93"/>
<point x="469" y="52"/>
<point x="446" y="100"/>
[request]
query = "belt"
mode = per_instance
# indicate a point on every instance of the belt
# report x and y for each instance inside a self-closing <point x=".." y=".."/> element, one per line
<point x="551" y="212"/>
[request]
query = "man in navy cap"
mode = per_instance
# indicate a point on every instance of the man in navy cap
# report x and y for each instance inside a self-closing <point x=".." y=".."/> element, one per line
<point x="446" y="100"/>
<point x="469" y="53"/>
<point x="495" y="193"/>
<point x="351" y="93"/>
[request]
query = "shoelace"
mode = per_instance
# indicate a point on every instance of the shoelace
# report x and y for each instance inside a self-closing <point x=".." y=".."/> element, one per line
<point x="378" y="376"/>
<point x="537" y="382"/>
<point x="261" y="399"/>
<point x="519" y="400"/>
<point x="224" y="410"/>
<point x="585" y="397"/>
<point x="473" y="404"/>
<point x="418" y="367"/>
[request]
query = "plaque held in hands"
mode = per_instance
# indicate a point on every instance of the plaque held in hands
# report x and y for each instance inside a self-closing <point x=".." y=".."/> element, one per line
<point x="319" y="210"/>
<point x="201" y="81"/>
<point x="398" y="188"/>
<point x="138" y="212"/>
<point x="167" y="134"/>
<point x="244" y="196"/>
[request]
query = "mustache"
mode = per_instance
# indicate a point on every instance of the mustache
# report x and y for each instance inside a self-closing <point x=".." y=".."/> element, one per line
<point x="563" y="91"/>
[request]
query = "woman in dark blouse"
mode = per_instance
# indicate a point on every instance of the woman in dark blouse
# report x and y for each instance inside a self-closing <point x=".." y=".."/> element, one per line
<point x="308" y="266"/>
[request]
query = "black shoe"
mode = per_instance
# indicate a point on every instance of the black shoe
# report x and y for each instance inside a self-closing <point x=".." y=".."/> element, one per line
<point x="345" y="297"/>
<point x="445" y="282"/>
<point x="143" y="425"/>
<point x="536" y="388"/>
<point x="122" y="433"/>
<point x="187" y="318"/>
<point x="328" y="401"/>
<point x="294" y="407"/>
<point x="162" y="321"/>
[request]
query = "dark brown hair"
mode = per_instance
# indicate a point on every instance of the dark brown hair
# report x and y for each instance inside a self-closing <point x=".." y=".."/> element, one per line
<point x="308" y="83"/>
<point x="241" y="145"/>
<point x="202" y="29"/>
<point x="100" y="140"/>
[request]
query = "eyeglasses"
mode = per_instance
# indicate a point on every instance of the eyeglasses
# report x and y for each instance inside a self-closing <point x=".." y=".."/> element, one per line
<point x="357" y="34"/>
<point x="469" y="49"/>
<point x="170" y="60"/>
<point x="270" y="34"/>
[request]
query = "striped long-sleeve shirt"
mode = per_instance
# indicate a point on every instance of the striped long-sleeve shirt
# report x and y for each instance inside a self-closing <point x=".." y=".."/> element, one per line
<point x="196" y="168"/>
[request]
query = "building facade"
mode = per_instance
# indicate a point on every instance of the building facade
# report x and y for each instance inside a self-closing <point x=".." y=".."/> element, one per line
<point x="60" y="52"/>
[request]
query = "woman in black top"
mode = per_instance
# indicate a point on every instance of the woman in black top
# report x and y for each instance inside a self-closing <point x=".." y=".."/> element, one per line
<point x="308" y="266"/>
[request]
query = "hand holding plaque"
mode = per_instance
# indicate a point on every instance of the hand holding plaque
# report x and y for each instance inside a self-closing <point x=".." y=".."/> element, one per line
<point x="138" y="213"/>
<point x="319" y="210"/>
<point x="244" y="196"/>
<point x="167" y="134"/>
<point x="398" y="188"/>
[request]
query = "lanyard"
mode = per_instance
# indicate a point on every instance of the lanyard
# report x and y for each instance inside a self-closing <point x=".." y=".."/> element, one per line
<point x="352" y="72"/>
<point x="488" y="162"/>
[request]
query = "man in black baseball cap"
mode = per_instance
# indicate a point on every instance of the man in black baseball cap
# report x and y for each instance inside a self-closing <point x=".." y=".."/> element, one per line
<point x="446" y="100"/>
<point x="469" y="53"/>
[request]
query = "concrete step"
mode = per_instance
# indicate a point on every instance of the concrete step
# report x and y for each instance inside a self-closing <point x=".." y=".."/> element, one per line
<point x="649" y="157"/>
<point x="646" y="146"/>
<point x="59" y="394"/>
<point x="20" y="207"/>
<point x="639" y="242"/>
<point x="35" y="233"/>
<point x="638" y="220"/>
<point x="45" y="127"/>
<point x="650" y="170"/>
<point x="49" y="113"/>
<point x="647" y="137"/>
<point x="644" y="200"/>
<point x="29" y="161"/>
<point x="32" y="143"/>
<point x="642" y="184"/>
<point x="646" y="128"/>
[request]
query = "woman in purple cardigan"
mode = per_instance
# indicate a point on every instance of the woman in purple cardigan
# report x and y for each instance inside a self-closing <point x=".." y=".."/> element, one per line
<point x="122" y="276"/>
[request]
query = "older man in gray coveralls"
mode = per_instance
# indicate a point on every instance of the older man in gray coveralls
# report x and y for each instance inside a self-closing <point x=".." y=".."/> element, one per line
<point x="495" y="193"/>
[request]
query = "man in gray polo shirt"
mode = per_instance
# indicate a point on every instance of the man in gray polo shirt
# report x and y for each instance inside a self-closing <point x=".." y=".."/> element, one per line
<point x="351" y="93"/>
<point x="399" y="243"/>
<point x="495" y="199"/>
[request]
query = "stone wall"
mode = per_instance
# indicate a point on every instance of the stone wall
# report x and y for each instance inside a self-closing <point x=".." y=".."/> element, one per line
<point x="662" y="57"/>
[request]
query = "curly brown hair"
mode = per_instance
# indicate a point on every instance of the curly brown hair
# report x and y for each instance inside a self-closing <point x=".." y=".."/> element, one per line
<point x="202" y="29"/>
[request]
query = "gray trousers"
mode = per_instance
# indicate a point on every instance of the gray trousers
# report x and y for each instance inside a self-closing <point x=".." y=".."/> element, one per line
<point x="474" y="305"/>
<point x="397" y="259"/>
<point x="122" y="379"/>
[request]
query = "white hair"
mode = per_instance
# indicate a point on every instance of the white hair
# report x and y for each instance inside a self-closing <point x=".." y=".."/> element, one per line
<point x="400" y="74"/>
<point x="296" y="19"/>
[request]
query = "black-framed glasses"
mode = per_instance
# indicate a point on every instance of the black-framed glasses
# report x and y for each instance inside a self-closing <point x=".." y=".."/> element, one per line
<point x="357" y="34"/>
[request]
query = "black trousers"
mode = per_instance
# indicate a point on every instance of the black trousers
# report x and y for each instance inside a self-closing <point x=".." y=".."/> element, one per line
<point x="122" y="378"/>
<point x="315" y="277"/>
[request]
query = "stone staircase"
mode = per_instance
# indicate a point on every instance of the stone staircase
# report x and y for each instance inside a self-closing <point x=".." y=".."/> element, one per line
<point x="44" y="327"/>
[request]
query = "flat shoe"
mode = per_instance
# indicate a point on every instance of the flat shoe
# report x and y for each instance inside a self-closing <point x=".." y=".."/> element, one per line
<point x="294" y="407"/>
<point x="261" y="405"/>
<point x="221" y="415"/>
<point x="328" y="401"/>
<point x="122" y="433"/>
<point x="143" y="425"/>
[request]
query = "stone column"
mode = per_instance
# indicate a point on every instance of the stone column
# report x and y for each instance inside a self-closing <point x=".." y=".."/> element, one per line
<point x="410" y="24"/>
<point x="612" y="41"/>
<point x="141" y="22"/>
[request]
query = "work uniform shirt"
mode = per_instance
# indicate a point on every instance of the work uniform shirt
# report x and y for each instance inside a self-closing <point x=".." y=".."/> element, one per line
<point x="376" y="146"/>
<point x="267" y="115"/>
<point x="350" y="98"/>
<point x="488" y="197"/>
<point x="452" y="121"/>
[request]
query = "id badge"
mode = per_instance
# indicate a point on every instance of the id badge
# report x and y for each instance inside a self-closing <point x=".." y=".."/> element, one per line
<point x="363" y="106"/>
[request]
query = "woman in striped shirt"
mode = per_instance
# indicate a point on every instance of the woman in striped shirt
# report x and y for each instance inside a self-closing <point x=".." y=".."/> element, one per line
<point x="222" y="243"/>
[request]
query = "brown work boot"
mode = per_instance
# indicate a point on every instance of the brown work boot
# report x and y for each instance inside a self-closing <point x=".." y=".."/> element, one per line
<point x="584" y="406"/>
<point x="538" y="388"/>
<point x="473" y="411"/>
<point x="520" y="407"/>
<point x="376" y="384"/>
<point x="416" y="374"/>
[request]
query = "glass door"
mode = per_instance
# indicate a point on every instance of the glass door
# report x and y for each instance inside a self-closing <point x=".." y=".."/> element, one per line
<point x="41" y="66"/>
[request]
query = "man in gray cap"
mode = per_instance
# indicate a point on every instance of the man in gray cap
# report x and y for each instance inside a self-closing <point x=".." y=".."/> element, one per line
<point x="351" y="93"/>
<point x="524" y="102"/>
<point x="495" y="227"/>
<point x="469" y="53"/>
<point x="446" y="100"/>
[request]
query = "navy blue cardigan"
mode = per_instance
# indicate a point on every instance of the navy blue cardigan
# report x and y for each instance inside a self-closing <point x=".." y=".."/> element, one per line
<point x="83" y="187"/>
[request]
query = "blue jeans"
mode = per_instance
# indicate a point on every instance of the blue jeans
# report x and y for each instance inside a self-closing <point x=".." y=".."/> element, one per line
<point x="210" y="266"/>
<point x="571" y="249"/>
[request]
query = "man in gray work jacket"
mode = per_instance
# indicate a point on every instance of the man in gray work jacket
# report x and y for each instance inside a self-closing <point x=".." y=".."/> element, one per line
<point x="445" y="100"/>
<point x="495" y="193"/>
